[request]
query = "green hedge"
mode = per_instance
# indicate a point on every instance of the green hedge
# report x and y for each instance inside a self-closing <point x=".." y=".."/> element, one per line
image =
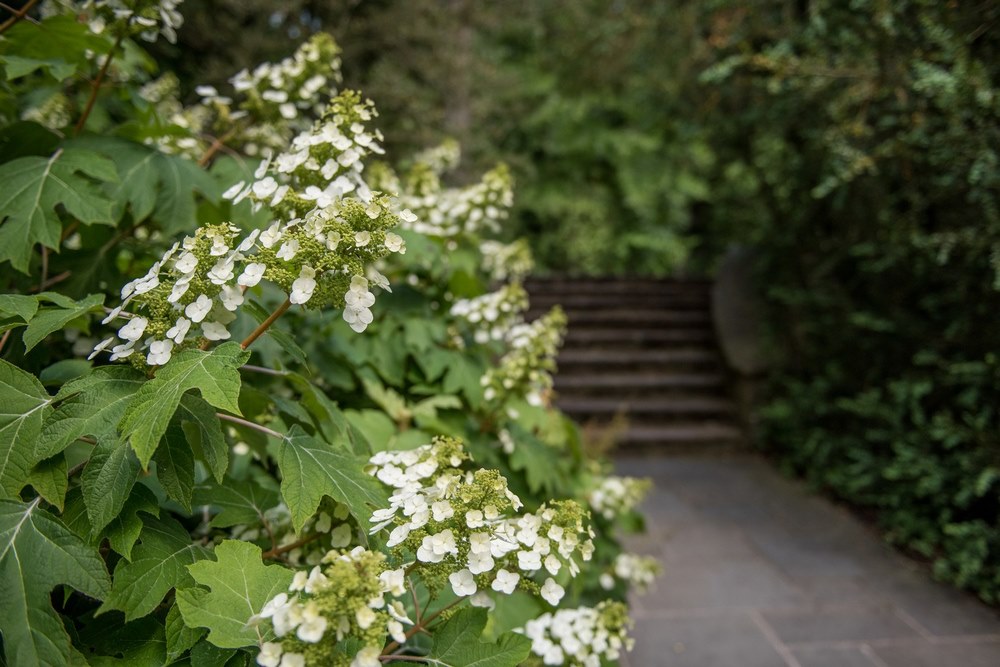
<point x="862" y="165"/>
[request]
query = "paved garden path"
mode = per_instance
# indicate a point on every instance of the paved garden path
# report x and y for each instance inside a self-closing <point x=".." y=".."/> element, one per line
<point x="758" y="572"/>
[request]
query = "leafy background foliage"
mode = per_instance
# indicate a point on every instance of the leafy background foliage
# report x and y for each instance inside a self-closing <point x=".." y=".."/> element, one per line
<point x="852" y="145"/>
<point x="122" y="489"/>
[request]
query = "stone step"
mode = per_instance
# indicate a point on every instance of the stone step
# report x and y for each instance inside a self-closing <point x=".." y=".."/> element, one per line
<point x="597" y="285"/>
<point x="627" y="299"/>
<point x="634" y="316"/>
<point x="622" y="383"/>
<point x="652" y="408"/>
<point x="579" y="336"/>
<point x="682" y="437"/>
<point x="643" y="358"/>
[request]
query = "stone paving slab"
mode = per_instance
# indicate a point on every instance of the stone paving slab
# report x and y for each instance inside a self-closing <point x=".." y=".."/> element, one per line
<point x="761" y="573"/>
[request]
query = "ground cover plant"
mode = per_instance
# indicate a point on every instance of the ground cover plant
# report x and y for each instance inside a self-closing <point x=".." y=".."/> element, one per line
<point x="268" y="400"/>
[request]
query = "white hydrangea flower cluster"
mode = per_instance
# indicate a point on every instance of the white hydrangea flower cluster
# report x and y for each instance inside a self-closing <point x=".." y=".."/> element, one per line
<point x="614" y="496"/>
<point x="445" y="212"/>
<point x="349" y="595"/>
<point x="581" y="637"/>
<point x="193" y="292"/>
<point x="293" y="88"/>
<point x="54" y="111"/>
<point x="323" y="165"/>
<point x="493" y="314"/>
<point x="526" y="368"/>
<point x="635" y="570"/>
<point x="146" y="18"/>
<point x="461" y="526"/>
<point x="266" y="108"/>
<point x="331" y="523"/>
<point x="507" y="261"/>
<point x="442" y="158"/>
<point x="323" y="254"/>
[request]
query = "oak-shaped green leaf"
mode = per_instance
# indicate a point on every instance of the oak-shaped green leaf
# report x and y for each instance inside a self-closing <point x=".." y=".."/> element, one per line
<point x="37" y="553"/>
<point x="204" y="434"/>
<point x="152" y="183"/>
<point x="175" y="465"/>
<point x="180" y="638"/>
<point x="231" y="590"/>
<point x="214" y="373"/>
<point x="123" y="531"/>
<point x="159" y="563"/>
<point x="238" y="502"/>
<point x="47" y="320"/>
<point x="463" y="375"/>
<point x="49" y="479"/>
<point x="92" y="406"/>
<point x="59" y="43"/>
<point x="25" y="404"/>
<point x="459" y="642"/>
<point x="18" y="305"/>
<point x="107" y="481"/>
<point x="35" y="186"/>
<point x="311" y="468"/>
<point x="543" y="465"/>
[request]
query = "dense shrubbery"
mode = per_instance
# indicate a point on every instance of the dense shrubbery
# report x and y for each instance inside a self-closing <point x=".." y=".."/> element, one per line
<point x="312" y="494"/>
<point x="860" y="160"/>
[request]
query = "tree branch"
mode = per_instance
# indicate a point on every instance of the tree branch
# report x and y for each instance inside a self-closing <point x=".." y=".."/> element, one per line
<point x="249" y="424"/>
<point x="256" y="333"/>
<point x="97" y="85"/>
<point x="17" y="15"/>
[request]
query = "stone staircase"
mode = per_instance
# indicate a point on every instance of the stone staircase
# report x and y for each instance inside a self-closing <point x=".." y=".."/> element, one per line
<point x="640" y="362"/>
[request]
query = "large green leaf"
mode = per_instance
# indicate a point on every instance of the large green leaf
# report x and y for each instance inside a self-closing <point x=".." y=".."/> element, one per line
<point x="238" y="501"/>
<point x="214" y="373"/>
<point x="123" y="531"/>
<point x="180" y="638"/>
<point x="90" y="406"/>
<point x="230" y="591"/>
<point x="175" y="465"/>
<point x="159" y="563"/>
<point x="35" y="186"/>
<point x="25" y="406"/>
<point x="311" y="468"/>
<point x="204" y="434"/>
<point x="49" y="479"/>
<point x="463" y="375"/>
<point x="38" y="553"/>
<point x="543" y="465"/>
<point x="459" y="642"/>
<point x="107" y="481"/>
<point x="47" y="320"/>
<point x="59" y="44"/>
<point x="152" y="183"/>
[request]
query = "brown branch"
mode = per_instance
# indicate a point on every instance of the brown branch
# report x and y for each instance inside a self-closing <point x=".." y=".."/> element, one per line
<point x="249" y="424"/>
<point x="70" y="228"/>
<point x="3" y="339"/>
<point x="256" y="333"/>
<point x="260" y="369"/>
<point x="421" y="626"/>
<point x="52" y="281"/>
<point x="274" y="553"/>
<point x="18" y="15"/>
<point x="97" y="85"/>
<point x="218" y="143"/>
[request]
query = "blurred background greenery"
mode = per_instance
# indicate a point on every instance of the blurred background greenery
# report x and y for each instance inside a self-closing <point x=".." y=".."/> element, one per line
<point x="853" y="144"/>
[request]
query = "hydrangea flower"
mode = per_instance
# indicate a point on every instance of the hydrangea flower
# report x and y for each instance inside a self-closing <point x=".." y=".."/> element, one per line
<point x="580" y="637"/>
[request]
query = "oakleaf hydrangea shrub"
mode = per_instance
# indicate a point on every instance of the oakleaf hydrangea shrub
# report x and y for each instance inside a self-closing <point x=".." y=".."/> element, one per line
<point x="313" y="425"/>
